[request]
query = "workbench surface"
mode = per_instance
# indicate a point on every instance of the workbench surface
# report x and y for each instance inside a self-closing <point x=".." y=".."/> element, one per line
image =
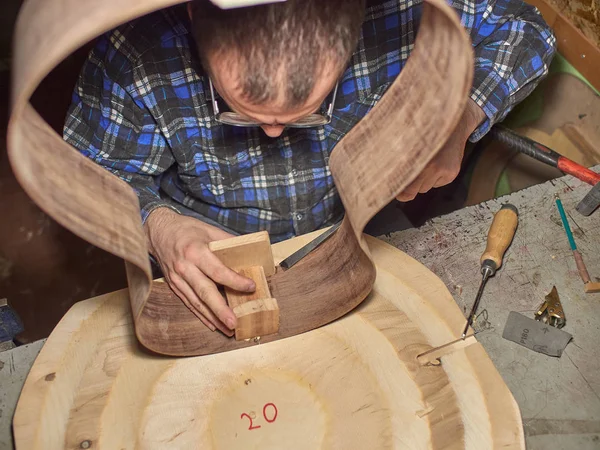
<point x="559" y="397"/>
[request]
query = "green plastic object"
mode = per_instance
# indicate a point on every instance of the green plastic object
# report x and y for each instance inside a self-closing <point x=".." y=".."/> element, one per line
<point x="565" y="222"/>
<point x="561" y="65"/>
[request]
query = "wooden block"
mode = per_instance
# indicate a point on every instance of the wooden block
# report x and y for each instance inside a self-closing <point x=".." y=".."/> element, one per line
<point x="257" y="318"/>
<point x="251" y="256"/>
<point x="257" y="312"/>
<point x="576" y="47"/>
<point x="246" y="251"/>
<point x="591" y="287"/>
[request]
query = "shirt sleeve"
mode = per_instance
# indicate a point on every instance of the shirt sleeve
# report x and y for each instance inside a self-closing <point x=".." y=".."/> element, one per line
<point x="513" y="48"/>
<point x="107" y="123"/>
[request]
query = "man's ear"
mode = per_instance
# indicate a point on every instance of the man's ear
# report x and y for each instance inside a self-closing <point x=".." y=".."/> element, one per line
<point x="189" y="9"/>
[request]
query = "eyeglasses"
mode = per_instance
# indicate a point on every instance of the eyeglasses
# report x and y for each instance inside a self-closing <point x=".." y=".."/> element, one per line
<point x="237" y="120"/>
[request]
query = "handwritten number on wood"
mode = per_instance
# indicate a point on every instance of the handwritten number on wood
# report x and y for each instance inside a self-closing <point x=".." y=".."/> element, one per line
<point x="269" y="414"/>
<point x="274" y="412"/>
<point x="251" y="427"/>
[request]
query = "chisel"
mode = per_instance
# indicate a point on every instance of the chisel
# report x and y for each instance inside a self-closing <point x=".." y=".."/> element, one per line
<point x="298" y="255"/>
<point x="499" y="238"/>
<point x="589" y="286"/>
<point x="590" y="202"/>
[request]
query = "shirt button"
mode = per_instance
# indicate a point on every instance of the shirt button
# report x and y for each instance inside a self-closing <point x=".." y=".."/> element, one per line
<point x="299" y="216"/>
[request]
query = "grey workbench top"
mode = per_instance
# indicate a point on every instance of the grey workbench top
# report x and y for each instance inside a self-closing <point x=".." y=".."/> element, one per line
<point x="559" y="398"/>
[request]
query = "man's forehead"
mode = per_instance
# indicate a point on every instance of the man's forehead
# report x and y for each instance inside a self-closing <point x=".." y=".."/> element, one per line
<point x="229" y="4"/>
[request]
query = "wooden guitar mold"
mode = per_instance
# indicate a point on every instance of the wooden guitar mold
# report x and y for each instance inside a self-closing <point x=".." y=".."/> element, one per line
<point x="371" y="165"/>
<point x="355" y="384"/>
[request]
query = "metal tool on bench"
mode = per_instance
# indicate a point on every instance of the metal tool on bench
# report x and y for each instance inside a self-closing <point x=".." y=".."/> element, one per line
<point x="551" y="310"/>
<point x="499" y="238"/>
<point x="304" y="251"/>
<point x="589" y="286"/>
<point x="590" y="202"/>
<point x="544" y="334"/>
<point x="548" y="156"/>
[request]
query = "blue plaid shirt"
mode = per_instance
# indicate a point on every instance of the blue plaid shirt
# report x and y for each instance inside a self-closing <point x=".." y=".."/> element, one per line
<point x="141" y="110"/>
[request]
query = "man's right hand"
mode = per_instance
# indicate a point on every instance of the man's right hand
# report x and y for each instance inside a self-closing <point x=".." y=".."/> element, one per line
<point x="180" y="244"/>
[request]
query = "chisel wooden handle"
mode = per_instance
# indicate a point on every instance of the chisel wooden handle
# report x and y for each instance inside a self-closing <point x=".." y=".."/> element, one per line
<point x="500" y="235"/>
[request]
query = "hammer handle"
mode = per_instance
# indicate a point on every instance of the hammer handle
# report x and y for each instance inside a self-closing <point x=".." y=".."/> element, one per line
<point x="544" y="154"/>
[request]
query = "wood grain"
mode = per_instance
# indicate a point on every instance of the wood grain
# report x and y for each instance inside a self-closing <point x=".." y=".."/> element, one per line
<point x="576" y="47"/>
<point x="256" y="273"/>
<point x="245" y="251"/>
<point x="257" y="312"/>
<point x="356" y="383"/>
<point x="370" y="166"/>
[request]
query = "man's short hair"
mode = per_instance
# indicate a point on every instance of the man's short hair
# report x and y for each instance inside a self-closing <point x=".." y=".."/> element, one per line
<point x="291" y="41"/>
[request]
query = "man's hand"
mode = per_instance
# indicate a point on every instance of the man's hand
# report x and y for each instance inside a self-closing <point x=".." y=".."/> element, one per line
<point x="445" y="166"/>
<point x="180" y="244"/>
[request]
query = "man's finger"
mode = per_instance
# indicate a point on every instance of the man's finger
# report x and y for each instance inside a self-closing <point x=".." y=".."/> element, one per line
<point x="208" y="293"/>
<point x="406" y="197"/>
<point x="408" y="194"/>
<point x="191" y="307"/>
<point x="411" y="191"/>
<point x="440" y="182"/>
<point x="197" y="306"/>
<point x="212" y="266"/>
<point x="425" y="187"/>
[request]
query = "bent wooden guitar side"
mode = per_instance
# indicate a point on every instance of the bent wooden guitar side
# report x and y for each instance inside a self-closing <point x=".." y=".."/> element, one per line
<point x="374" y="162"/>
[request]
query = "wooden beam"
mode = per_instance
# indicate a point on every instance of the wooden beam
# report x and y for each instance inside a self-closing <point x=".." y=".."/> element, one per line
<point x="580" y="51"/>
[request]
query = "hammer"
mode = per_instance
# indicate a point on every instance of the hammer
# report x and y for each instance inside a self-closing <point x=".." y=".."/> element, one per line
<point x="548" y="156"/>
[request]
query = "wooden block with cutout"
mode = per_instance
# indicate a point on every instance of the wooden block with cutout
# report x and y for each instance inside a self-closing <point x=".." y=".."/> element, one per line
<point x="257" y="313"/>
<point x="251" y="256"/>
<point x="245" y="251"/>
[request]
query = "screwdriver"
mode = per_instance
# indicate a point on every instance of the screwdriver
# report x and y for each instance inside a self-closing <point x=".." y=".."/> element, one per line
<point x="499" y="238"/>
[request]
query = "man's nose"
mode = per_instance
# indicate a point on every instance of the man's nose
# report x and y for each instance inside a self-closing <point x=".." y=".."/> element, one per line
<point x="273" y="130"/>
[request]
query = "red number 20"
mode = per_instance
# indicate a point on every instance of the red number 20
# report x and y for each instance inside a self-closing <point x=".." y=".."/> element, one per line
<point x="271" y="419"/>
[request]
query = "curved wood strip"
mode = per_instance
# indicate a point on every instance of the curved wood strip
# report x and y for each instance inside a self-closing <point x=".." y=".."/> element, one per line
<point x="371" y="165"/>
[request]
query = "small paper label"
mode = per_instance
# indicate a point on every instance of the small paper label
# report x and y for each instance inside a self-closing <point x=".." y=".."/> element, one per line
<point x="535" y="335"/>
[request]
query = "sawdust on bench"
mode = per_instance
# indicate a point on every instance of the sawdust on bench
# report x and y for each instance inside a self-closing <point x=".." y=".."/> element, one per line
<point x="584" y="14"/>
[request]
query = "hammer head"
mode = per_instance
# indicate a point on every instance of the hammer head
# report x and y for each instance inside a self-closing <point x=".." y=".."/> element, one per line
<point x="590" y="202"/>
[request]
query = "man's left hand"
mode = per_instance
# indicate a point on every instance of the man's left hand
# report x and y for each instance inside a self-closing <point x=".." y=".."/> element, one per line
<point x="445" y="166"/>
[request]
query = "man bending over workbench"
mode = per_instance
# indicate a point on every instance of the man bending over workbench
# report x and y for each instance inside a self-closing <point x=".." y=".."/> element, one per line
<point x="223" y="121"/>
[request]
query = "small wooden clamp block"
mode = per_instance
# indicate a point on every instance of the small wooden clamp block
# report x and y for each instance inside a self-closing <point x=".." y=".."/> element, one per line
<point x="251" y="256"/>
<point x="591" y="287"/>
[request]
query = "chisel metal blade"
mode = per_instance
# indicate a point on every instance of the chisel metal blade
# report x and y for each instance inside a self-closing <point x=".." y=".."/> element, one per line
<point x="590" y="202"/>
<point x="300" y="254"/>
